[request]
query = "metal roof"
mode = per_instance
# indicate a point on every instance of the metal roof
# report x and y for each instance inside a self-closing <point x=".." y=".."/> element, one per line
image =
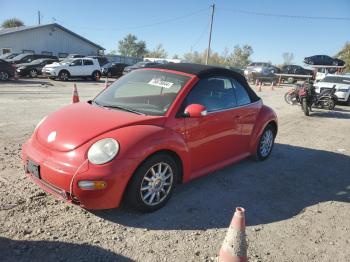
<point x="26" y="28"/>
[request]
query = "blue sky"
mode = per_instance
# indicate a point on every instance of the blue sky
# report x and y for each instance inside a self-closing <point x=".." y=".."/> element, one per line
<point x="106" y="22"/>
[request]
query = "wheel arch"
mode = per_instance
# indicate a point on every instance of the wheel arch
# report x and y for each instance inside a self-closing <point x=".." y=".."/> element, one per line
<point x="266" y="117"/>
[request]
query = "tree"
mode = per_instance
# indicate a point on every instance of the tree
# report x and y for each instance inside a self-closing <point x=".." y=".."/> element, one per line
<point x="12" y="22"/>
<point x="158" y="52"/>
<point x="344" y="55"/>
<point x="240" y="56"/>
<point x="112" y="52"/>
<point x="129" y="46"/>
<point x="287" y="58"/>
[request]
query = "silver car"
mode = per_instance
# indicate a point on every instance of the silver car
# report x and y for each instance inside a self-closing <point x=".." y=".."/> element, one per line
<point x="342" y="86"/>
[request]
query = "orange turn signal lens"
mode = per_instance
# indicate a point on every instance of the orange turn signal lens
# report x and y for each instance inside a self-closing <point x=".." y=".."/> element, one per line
<point x="92" y="185"/>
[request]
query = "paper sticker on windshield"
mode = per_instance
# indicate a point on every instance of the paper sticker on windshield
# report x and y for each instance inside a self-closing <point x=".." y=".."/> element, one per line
<point x="161" y="83"/>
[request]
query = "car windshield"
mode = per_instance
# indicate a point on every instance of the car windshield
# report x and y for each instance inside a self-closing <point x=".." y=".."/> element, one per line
<point x="335" y="79"/>
<point x="20" y="56"/>
<point x="149" y="92"/>
<point x="67" y="60"/>
<point x="37" y="61"/>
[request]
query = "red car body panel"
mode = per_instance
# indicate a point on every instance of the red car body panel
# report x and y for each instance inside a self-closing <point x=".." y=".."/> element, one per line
<point x="202" y="145"/>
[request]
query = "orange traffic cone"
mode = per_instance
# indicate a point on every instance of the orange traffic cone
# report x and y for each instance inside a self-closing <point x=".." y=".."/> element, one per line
<point x="234" y="247"/>
<point x="75" y="94"/>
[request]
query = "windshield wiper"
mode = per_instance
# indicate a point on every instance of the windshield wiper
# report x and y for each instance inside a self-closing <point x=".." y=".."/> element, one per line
<point x="123" y="108"/>
<point x="117" y="107"/>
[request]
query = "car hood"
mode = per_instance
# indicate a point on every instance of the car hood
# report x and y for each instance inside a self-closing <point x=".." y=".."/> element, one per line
<point x="76" y="124"/>
<point x="330" y="85"/>
<point x="53" y="65"/>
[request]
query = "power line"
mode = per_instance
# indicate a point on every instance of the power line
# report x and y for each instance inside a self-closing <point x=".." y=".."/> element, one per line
<point x="147" y="25"/>
<point x="200" y="36"/>
<point x="285" y="15"/>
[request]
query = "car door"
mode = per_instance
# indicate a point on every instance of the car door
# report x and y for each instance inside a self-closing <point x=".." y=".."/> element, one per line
<point x="247" y="112"/>
<point x="88" y="67"/>
<point x="215" y="137"/>
<point x="75" y="68"/>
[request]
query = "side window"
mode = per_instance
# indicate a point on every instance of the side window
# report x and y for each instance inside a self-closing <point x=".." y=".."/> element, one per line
<point x="214" y="93"/>
<point x="77" y="62"/>
<point x="241" y="94"/>
<point x="88" y="62"/>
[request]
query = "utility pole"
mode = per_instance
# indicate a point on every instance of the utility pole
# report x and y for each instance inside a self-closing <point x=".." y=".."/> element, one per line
<point x="39" y="17"/>
<point x="211" y="28"/>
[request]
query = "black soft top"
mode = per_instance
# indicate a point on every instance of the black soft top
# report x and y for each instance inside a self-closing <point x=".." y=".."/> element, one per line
<point x="204" y="71"/>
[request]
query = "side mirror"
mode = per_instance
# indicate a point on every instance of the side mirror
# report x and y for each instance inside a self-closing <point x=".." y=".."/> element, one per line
<point x="195" y="110"/>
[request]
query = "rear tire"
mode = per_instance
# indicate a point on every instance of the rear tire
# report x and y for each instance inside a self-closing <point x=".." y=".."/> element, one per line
<point x="331" y="104"/>
<point x="96" y="75"/>
<point x="266" y="143"/>
<point x="150" y="190"/>
<point x="290" y="98"/>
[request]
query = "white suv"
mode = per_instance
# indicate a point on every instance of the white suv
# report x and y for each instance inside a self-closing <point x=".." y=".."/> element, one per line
<point x="341" y="83"/>
<point x="71" y="68"/>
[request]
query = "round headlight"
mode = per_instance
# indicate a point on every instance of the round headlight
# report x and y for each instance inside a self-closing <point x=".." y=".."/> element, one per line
<point x="103" y="151"/>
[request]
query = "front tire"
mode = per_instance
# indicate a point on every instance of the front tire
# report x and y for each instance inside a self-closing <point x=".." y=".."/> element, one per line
<point x="305" y="107"/>
<point x="265" y="144"/>
<point x="4" y="76"/>
<point x="33" y="73"/>
<point x="63" y="75"/>
<point x="152" y="184"/>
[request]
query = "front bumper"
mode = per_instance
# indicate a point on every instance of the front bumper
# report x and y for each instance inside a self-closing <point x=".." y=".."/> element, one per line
<point x="58" y="168"/>
<point x="48" y="73"/>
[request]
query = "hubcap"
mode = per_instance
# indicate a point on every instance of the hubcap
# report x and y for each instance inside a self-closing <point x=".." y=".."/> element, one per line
<point x="156" y="184"/>
<point x="33" y="73"/>
<point x="64" y="76"/>
<point x="4" y="76"/>
<point x="266" y="143"/>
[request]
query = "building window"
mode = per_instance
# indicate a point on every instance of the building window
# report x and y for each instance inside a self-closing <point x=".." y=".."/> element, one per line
<point x="6" y="50"/>
<point x="28" y="51"/>
<point x="62" y="55"/>
<point x="46" y="53"/>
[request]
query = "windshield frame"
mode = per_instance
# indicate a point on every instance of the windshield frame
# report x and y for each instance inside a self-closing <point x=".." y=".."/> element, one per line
<point x="175" y="103"/>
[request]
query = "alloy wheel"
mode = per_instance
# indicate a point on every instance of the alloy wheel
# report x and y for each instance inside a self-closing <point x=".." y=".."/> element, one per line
<point x="266" y="143"/>
<point x="156" y="184"/>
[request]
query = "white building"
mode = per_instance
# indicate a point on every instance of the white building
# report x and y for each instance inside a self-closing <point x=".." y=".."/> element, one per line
<point x="50" y="39"/>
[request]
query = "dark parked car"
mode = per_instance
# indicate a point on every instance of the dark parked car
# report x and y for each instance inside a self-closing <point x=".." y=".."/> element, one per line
<point x="102" y="60"/>
<point x="27" y="58"/>
<point x="323" y="60"/>
<point x="34" y="68"/>
<point x="113" y="69"/>
<point x="9" y="55"/>
<point x="7" y="70"/>
<point x="138" y="65"/>
<point x="296" y="70"/>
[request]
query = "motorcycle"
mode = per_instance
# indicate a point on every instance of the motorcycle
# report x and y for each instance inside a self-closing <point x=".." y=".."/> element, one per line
<point x="292" y="95"/>
<point x="308" y="98"/>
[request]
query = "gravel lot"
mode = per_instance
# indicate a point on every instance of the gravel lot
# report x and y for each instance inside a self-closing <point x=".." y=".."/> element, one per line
<point x="297" y="202"/>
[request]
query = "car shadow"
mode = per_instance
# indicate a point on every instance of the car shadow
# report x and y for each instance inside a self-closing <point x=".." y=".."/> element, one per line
<point x="17" y="250"/>
<point x="31" y="81"/>
<point x="340" y="114"/>
<point x="279" y="188"/>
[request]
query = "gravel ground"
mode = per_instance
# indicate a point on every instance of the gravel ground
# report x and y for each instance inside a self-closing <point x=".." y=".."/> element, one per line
<point x="297" y="202"/>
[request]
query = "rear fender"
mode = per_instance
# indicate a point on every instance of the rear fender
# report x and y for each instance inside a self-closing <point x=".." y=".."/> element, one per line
<point x="265" y="117"/>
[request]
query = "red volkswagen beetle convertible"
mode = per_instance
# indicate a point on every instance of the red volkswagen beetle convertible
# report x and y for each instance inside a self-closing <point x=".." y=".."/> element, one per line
<point x="151" y="129"/>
